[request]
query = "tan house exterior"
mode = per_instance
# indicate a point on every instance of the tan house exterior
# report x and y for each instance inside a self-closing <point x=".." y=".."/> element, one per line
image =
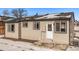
<point x="50" y="28"/>
<point x="11" y="34"/>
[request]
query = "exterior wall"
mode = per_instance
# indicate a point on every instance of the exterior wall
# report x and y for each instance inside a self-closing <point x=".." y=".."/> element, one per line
<point x="71" y="32"/>
<point x="11" y="34"/>
<point x="76" y="34"/>
<point x="62" y="38"/>
<point x="39" y="35"/>
<point x="43" y="31"/>
<point x="1" y="19"/>
<point x="76" y="29"/>
<point x="30" y="34"/>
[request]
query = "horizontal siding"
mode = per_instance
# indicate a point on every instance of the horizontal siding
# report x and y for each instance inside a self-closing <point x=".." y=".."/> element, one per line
<point x="11" y="34"/>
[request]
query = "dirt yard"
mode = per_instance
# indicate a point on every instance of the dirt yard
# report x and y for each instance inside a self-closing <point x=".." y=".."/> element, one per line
<point x="10" y="45"/>
<point x="72" y="48"/>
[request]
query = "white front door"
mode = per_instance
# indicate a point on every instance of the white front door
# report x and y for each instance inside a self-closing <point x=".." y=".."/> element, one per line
<point x="49" y="31"/>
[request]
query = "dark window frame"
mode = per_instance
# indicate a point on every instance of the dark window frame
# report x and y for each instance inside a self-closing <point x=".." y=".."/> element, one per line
<point x="36" y="25"/>
<point x="11" y="27"/>
<point x="60" y="24"/>
<point x="64" y="27"/>
<point x="25" y="24"/>
<point x="49" y="27"/>
<point x="56" y="29"/>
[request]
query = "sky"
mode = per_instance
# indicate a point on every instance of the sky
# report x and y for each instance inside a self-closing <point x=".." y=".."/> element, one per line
<point x="33" y="11"/>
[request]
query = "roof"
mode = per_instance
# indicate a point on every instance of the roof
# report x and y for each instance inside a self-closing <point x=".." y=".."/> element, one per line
<point x="3" y="18"/>
<point x="13" y="20"/>
<point x="57" y="16"/>
<point x="76" y="22"/>
<point x="53" y="16"/>
<point x="46" y="17"/>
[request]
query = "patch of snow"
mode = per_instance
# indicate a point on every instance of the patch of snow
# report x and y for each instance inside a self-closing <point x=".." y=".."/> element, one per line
<point x="9" y="45"/>
<point x="52" y="16"/>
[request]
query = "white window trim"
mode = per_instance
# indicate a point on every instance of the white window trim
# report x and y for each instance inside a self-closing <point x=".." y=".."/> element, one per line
<point x="10" y="29"/>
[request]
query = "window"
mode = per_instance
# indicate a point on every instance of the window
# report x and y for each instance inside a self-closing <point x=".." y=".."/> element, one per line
<point x="49" y="27"/>
<point x="57" y="27"/>
<point x="11" y="28"/>
<point x="36" y="25"/>
<point x="25" y="24"/>
<point x="60" y="26"/>
<point x="63" y="29"/>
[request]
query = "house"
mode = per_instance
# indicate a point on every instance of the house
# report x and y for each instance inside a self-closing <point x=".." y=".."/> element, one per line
<point x="76" y="28"/>
<point x="76" y="33"/>
<point x="55" y="28"/>
<point x="2" y="25"/>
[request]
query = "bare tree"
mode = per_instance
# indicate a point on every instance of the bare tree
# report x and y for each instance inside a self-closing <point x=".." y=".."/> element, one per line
<point x="19" y="13"/>
<point x="5" y="12"/>
<point x="36" y="14"/>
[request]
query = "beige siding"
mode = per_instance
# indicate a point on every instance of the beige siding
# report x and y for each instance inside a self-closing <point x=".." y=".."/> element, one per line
<point x="76" y="28"/>
<point x="29" y="33"/>
<point x="40" y="35"/>
<point x="62" y="38"/>
<point x="77" y="34"/>
<point x="43" y="31"/>
<point x="11" y="34"/>
<point x="71" y="31"/>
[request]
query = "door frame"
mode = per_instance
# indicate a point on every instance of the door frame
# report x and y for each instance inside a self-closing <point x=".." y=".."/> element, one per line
<point x="49" y="34"/>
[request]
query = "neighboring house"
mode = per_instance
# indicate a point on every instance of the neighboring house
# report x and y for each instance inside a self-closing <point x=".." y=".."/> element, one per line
<point x="55" y="28"/>
<point x="76" y="28"/>
<point x="76" y="33"/>
<point x="2" y="24"/>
